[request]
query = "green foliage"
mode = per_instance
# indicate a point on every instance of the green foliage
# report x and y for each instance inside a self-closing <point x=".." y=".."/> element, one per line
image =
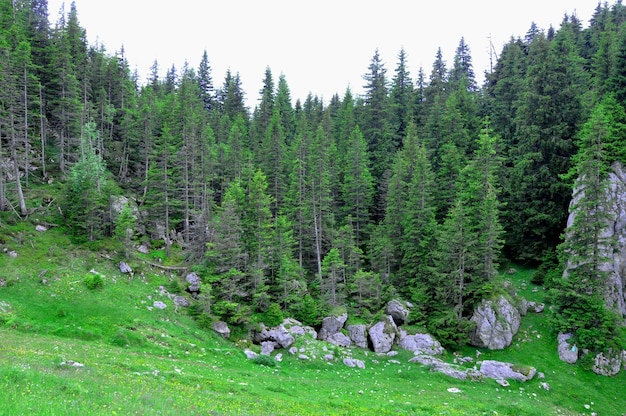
<point x="93" y="281"/>
<point x="264" y="360"/>
<point x="307" y="311"/>
<point x="273" y="316"/>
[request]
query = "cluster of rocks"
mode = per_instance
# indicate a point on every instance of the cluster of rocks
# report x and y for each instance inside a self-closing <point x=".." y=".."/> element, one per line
<point x="608" y="363"/>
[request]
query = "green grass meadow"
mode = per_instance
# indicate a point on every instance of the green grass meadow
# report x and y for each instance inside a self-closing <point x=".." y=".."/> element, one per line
<point x="66" y="349"/>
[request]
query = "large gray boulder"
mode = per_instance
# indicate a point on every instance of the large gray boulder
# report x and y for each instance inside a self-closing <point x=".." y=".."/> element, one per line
<point x="194" y="282"/>
<point x="221" y="328"/>
<point x="281" y="336"/>
<point x="567" y="352"/>
<point x="398" y="310"/>
<point x="506" y="371"/>
<point x="331" y="325"/>
<point x="419" y="343"/>
<point x="358" y="335"/>
<point x="382" y="335"/>
<point x="497" y="321"/>
<point x="607" y="364"/>
<point x="339" y="339"/>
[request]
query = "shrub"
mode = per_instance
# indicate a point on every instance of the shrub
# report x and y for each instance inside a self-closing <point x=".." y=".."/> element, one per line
<point x="265" y="360"/>
<point x="93" y="281"/>
<point x="273" y="316"/>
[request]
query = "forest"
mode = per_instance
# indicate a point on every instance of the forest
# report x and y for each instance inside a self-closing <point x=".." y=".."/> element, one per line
<point x="424" y="188"/>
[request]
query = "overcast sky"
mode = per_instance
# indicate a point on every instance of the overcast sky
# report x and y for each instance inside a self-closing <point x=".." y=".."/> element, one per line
<point x="321" y="46"/>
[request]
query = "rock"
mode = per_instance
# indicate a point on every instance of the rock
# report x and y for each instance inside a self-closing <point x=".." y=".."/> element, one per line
<point x="439" y="366"/>
<point x="267" y="347"/>
<point x="353" y="362"/>
<point x="13" y="254"/>
<point x="420" y="343"/>
<point x="293" y="350"/>
<point x="159" y="305"/>
<point x="143" y="249"/>
<point x="281" y="336"/>
<point x="41" y="228"/>
<point x="499" y="370"/>
<point x="194" y="282"/>
<point x="503" y="382"/>
<point x="454" y="390"/>
<point x="544" y="386"/>
<point x="398" y="310"/>
<point x="221" y="328"/>
<point x="331" y="325"/>
<point x="358" y="335"/>
<point x="340" y="340"/>
<point x="278" y="357"/>
<point x="567" y="351"/>
<point x="497" y="321"/>
<point x="303" y="357"/>
<point x="329" y="357"/>
<point x="181" y="301"/>
<point x="536" y="307"/>
<point x="250" y="354"/>
<point x="614" y="290"/>
<point x="607" y="364"/>
<point x="382" y="335"/>
<point x="125" y="268"/>
<point x="392" y="353"/>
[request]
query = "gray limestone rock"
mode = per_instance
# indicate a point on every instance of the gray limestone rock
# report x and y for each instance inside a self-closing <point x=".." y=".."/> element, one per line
<point x="497" y="321"/>
<point x="331" y="325"/>
<point x="506" y="371"/>
<point x="607" y="364"/>
<point x="382" y="335"/>
<point x="358" y="335"/>
<point x="420" y="343"/>
<point x="567" y="351"/>
<point x="221" y="328"/>
<point x="339" y="339"/>
<point x="398" y="310"/>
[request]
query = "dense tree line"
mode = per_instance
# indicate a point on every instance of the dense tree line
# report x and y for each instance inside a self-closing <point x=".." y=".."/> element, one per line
<point x="421" y="187"/>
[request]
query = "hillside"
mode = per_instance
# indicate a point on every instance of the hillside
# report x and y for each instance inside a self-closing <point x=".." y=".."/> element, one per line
<point x="67" y="349"/>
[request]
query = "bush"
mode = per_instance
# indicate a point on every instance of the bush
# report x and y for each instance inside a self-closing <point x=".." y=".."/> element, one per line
<point x="265" y="360"/>
<point x="93" y="281"/>
<point x="273" y="316"/>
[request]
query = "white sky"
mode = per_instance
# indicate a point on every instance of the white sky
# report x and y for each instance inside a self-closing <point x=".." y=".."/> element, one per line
<point x="321" y="46"/>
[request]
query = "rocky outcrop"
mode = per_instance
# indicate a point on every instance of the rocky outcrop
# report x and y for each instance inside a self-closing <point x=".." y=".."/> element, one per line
<point x="607" y="364"/>
<point x="382" y="335"/>
<point x="567" y="352"/>
<point x="331" y="325"/>
<point x="353" y="362"/>
<point x="398" y="310"/>
<point x="615" y="230"/>
<point x="506" y="371"/>
<point x="193" y="283"/>
<point x="451" y="370"/>
<point x="358" y="335"/>
<point x="279" y="335"/>
<point x="419" y="343"/>
<point x="497" y="321"/>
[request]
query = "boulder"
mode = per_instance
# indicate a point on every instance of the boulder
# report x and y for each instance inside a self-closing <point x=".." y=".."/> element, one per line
<point x="331" y="325"/>
<point x="194" y="282"/>
<point x="497" y="321"/>
<point x="221" y="328"/>
<point x="499" y="370"/>
<point x="420" y="343"/>
<point x="41" y="228"/>
<point x="159" y="305"/>
<point x="250" y="354"/>
<point x="382" y="335"/>
<point x="358" y="335"/>
<point x="125" y="268"/>
<point x="181" y="301"/>
<point x="281" y="336"/>
<point x="339" y="339"/>
<point x="536" y="307"/>
<point x="398" y="310"/>
<point x="267" y="347"/>
<point x="353" y="362"/>
<point x="567" y="351"/>
<point x="607" y="364"/>
<point x="296" y="328"/>
<point x="439" y="366"/>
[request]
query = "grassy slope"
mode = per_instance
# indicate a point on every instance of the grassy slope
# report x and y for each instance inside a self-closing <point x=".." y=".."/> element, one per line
<point x="141" y="361"/>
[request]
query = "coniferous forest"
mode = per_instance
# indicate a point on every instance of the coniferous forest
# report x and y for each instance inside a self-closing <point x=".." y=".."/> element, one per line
<point x="424" y="188"/>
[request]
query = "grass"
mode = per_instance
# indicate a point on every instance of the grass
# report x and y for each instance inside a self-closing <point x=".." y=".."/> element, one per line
<point x="136" y="359"/>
